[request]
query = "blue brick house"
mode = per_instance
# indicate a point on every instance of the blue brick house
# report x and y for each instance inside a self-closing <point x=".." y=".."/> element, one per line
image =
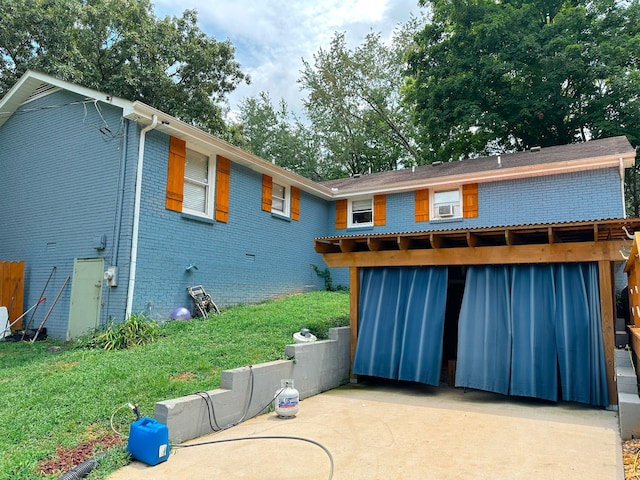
<point x="499" y="270"/>
<point x="135" y="206"/>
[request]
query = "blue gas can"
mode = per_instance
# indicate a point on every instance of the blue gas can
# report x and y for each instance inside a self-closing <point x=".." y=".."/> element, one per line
<point x="148" y="441"/>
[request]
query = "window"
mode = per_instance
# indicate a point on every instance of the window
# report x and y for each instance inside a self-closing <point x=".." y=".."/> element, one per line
<point x="446" y="204"/>
<point x="279" y="199"/>
<point x="198" y="178"/>
<point x="279" y="202"/>
<point x="361" y="213"/>
<point x="190" y="182"/>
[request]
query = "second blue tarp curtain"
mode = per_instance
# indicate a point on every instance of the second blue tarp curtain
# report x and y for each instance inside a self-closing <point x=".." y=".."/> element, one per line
<point x="547" y="328"/>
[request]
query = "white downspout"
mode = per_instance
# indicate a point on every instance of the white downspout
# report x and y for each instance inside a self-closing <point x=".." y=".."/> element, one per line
<point x="136" y="217"/>
<point x="624" y="207"/>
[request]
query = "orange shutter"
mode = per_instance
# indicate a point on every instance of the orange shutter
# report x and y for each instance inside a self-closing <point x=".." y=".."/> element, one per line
<point x="223" y="172"/>
<point x="470" y="200"/>
<point x="267" y="189"/>
<point x="341" y="214"/>
<point x="175" y="173"/>
<point x="379" y="210"/>
<point x="421" y="199"/>
<point x="295" y="203"/>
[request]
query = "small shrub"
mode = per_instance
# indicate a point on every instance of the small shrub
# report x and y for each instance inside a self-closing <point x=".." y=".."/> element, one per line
<point x="134" y="331"/>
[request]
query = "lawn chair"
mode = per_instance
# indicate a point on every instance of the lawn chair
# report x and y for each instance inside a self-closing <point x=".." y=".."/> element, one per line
<point x="203" y="304"/>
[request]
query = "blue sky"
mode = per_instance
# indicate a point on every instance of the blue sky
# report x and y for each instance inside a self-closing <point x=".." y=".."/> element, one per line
<point x="272" y="36"/>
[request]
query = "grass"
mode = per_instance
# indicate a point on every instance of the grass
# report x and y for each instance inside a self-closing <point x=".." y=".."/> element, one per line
<point x="54" y="396"/>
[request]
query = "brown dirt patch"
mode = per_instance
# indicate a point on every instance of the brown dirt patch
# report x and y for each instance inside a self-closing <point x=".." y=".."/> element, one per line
<point x="66" y="459"/>
<point x="184" y="376"/>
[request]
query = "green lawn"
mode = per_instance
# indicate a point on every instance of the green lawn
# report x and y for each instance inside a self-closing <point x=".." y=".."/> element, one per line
<point x="53" y="400"/>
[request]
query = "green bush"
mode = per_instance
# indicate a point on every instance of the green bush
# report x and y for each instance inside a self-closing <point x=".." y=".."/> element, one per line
<point x="134" y="331"/>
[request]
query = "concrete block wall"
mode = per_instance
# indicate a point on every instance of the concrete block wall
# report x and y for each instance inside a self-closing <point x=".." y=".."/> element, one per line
<point x="314" y="367"/>
<point x="628" y="398"/>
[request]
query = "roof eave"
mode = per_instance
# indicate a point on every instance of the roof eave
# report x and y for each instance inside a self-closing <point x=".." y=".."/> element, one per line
<point x="143" y="114"/>
<point x="501" y="174"/>
<point x="31" y="80"/>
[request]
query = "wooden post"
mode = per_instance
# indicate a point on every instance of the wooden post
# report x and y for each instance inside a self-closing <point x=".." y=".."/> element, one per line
<point x="354" y="298"/>
<point x="607" y="310"/>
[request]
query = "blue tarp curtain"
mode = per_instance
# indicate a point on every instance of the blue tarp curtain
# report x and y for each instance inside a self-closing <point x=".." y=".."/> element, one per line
<point x="521" y="326"/>
<point x="401" y="323"/>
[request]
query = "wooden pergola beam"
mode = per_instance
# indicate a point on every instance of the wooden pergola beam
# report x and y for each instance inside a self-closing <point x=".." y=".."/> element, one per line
<point x="474" y="240"/>
<point x="347" y="245"/>
<point x="512" y="238"/>
<point x="437" y="241"/>
<point x="607" y="312"/>
<point x="509" y="254"/>
<point x="374" y="244"/>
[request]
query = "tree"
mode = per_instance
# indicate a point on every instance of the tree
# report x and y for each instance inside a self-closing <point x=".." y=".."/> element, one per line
<point x="496" y="76"/>
<point x="354" y="104"/>
<point x="120" y="47"/>
<point x="278" y="136"/>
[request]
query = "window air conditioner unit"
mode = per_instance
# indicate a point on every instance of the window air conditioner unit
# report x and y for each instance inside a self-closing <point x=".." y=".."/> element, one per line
<point x="445" y="210"/>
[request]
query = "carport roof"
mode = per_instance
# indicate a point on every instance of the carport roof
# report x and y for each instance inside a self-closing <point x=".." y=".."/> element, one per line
<point x="610" y="230"/>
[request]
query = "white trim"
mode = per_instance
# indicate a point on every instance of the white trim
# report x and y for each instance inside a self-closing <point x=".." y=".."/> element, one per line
<point x="286" y="211"/>
<point x="136" y="218"/>
<point x="350" y="223"/>
<point x="624" y="206"/>
<point x="433" y="215"/>
<point x="490" y="176"/>
<point x="142" y="113"/>
<point x="209" y="186"/>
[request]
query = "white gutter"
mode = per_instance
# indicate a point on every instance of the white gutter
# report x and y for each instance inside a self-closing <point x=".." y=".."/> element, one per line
<point x="136" y="216"/>
<point x="624" y="207"/>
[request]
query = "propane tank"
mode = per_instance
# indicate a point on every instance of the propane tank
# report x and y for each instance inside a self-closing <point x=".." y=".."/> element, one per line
<point x="287" y="399"/>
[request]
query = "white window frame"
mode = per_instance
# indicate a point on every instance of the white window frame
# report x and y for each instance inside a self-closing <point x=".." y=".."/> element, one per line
<point x="455" y="204"/>
<point x="351" y="212"/>
<point x="285" y="199"/>
<point x="208" y="185"/>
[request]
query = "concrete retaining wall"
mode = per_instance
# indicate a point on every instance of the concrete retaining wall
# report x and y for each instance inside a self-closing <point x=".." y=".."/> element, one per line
<point x="628" y="398"/>
<point x="314" y="367"/>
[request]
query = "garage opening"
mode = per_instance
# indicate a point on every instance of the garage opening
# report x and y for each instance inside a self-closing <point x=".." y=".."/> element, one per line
<point x="526" y="330"/>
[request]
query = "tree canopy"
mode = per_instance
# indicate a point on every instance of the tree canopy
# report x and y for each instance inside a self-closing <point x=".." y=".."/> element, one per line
<point x="120" y="47"/>
<point x="277" y="135"/>
<point x="494" y="76"/>
<point x="353" y="103"/>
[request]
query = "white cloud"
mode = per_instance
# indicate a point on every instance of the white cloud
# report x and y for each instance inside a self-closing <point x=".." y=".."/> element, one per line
<point x="272" y="36"/>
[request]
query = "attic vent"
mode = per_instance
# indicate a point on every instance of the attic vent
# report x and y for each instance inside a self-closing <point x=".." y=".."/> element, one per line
<point x="42" y="90"/>
<point x="534" y="149"/>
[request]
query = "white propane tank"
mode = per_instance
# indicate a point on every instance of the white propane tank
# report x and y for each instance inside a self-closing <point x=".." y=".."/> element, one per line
<point x="304" y="336"/>
<point x="287" y="400"/>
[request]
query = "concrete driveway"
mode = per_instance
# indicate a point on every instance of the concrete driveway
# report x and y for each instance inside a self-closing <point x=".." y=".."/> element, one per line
<point x="407" y="431"/>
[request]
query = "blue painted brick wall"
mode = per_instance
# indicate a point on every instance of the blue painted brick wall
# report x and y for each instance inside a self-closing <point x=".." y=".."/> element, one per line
<point x="253" y="257"/>
<point x="589" y="195"/>
<point x="58" y="190"/>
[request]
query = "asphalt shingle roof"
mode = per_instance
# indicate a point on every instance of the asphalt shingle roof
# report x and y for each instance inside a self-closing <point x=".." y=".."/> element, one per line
<point x="561" y="153"/>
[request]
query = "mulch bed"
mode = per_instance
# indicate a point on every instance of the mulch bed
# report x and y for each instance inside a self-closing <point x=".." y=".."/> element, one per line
<point x="631" y="459"/>
<point x="66" y="459"/>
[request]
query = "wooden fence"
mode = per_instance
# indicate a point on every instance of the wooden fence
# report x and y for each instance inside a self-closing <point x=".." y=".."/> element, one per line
<point x="12" y="290"/>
